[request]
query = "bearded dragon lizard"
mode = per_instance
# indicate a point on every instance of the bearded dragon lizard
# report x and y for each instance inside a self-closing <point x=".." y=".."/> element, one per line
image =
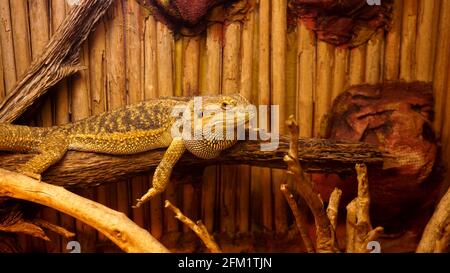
<point x="130" y="130"/>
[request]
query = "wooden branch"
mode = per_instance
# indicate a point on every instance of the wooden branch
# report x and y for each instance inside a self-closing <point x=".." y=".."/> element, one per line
<point x="52" y="227"/>
<point x="359" y="228"/>
<point x="436" y="236"/>
<point x="300" y="218"/>
<point x="114" y="225"/>
<point x="59" y="59"/>
<point x="333" y="207"/>
<point x="24" y="227"/>
<point x="90" y="169"/>
<point x="324" y="232"/>
<point x="199" y="228"/>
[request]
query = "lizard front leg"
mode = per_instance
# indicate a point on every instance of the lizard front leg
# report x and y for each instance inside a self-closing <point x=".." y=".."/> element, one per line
<point x="51" y="150"/>
<point x="162" y="173"/>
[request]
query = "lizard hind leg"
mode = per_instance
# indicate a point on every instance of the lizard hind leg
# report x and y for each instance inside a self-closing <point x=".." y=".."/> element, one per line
<point x="51" y="150"/>
<point x="162" y="173"/>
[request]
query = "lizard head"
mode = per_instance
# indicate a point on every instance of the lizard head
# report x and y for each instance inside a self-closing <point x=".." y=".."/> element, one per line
<point x="215" y="122"/>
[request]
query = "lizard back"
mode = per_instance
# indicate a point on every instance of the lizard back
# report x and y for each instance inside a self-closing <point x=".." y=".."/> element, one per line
<point x="128" y="130"/>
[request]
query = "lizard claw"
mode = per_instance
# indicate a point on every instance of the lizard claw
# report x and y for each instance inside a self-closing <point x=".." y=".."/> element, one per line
<point x="149" y="195"/>
<point x="138" y="204"/>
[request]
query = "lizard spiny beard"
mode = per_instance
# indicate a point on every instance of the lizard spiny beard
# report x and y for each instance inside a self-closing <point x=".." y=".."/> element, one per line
<point x="209" y="146"/>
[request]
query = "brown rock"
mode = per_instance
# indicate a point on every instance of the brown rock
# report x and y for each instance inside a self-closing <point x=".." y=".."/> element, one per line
<point x="397" y="117"/>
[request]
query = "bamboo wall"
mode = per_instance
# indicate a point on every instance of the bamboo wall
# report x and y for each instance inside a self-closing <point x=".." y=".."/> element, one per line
<point x="131" y="57"/>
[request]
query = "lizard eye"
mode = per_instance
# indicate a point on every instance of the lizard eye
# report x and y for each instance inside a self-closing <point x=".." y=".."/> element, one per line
<point x="226" y="105"/>
<point x="200" y="114"/>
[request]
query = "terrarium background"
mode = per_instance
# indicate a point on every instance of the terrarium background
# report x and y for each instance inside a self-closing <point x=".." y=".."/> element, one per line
<point x="130" y="57"/>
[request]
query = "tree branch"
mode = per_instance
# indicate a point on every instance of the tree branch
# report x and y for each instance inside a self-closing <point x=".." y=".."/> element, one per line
<point x="59" y="59"/>
<point x="199" y="228"/>
<point x="436" y="235"/>
<point x="359" y="227"/>
<point x="325" y="238"/>
<point x="300" y="218"/>
<point x="114" y="225"/>
<point x="316" y="155"/>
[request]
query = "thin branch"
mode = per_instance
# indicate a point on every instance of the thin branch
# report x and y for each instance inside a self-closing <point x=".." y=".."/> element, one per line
<point x="333" y="207"/>
<point x="300" y="218"/>
<point x="199" y="228"/>
<point x="436" y="235"/>
<point x="325" y="238"/>
<point x="114" y="225"/>
<point x="25" y="227"/>
<point x="56" y="229"/>
<point x="359" y="227"/>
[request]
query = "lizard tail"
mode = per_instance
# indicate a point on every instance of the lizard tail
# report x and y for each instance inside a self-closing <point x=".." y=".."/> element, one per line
<point x="17" y="138"/>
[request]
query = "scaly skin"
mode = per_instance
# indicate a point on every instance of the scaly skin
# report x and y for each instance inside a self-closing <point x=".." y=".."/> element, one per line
<point x="129" y="130"/>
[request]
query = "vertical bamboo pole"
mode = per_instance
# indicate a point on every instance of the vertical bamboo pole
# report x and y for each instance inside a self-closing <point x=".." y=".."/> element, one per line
<point x="81" y="109"/>
<point x="426" y="39"/>
<point x="340" y="72"/>
<point x="211" y="75"/>
<point x="190" y="87"/>
<point x="191" y="66"/>
<point x="123" y="187"/>
<point x="261" y="184"/>
<point x="7" y="46"/>
<point x="305" y="79"/>
<point x="20" y="29"/>
<point x="246" y="85"/>
<point x="40" y="34"/>
<point x="177" y="57"/>
<point x="230" y="85"/>
<point x="97" y="76"/>
<point x="134" y="30"/>
<point x="408" y="42"/>
<point x="165" y="48"/>
<point x="374" y="58"/>
<point x="151" y="77"/>
<point x="442" y="63"/>
<point x="61" y="107"/>
<point x="392" y="48"/>
<point x="357" y="65"/>
<point x="291" y="72"/>
<point x="151" y="91"/>
<point x="324" y="81"/>
<point x="279" y="29"/>
<point x="442" y="83"/>
<point x="116" y="83"/>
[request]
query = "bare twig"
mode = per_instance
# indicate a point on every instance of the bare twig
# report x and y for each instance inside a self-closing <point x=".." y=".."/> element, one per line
<point x="300" y="218"/>
<point x="25" y="227"/>
<point x="359" y="227"/>
<point x="333" y="207"/>
<point x="56" y="229"/>
<point x="325" y="238"/>
<point x="436" y="235"/>
<point x="114" y="225"/>
<point x="199" y="228"/>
